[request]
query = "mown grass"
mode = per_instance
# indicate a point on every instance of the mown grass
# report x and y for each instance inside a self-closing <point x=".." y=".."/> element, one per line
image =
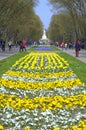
<point x="8" y="62"/>
<point x="77" y="66"/>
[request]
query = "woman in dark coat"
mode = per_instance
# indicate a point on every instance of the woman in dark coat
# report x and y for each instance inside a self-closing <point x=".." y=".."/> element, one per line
<point x="77" y="48"/>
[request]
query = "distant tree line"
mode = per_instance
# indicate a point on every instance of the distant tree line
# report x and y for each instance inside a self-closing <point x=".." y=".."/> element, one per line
<point x="18" y="20"/>
<point x="70" y="23"/>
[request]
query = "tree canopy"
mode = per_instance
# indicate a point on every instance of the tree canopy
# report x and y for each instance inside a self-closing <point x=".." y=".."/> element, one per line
<point x="18" y="19"/>
<point x="76" y="23"/>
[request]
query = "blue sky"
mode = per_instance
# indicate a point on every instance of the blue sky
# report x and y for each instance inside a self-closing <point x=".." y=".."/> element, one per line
<point x="43" y="10"/>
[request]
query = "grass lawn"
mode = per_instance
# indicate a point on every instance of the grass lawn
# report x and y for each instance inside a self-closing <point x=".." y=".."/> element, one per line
<point x="5" y="64"/>
<point x="77" y="66"/>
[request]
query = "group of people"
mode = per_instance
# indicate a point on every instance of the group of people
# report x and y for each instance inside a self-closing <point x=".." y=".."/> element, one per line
<point x="76" y="45"/>
<point x="22" y="45"/>
<point x="3" y="45"/>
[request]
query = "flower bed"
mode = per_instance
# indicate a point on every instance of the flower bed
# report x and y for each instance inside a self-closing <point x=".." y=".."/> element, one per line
<point x="41" y="92"/>
<point x="43" y="48"/>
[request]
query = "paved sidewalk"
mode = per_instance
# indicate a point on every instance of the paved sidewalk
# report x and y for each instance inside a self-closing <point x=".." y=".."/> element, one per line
<point x="8" y="53"/>
<point x="82" y="54"/>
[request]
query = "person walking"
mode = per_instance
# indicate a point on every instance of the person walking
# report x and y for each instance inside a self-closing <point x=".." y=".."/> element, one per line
<point x="77" y="48"/>
<point x="10" y="45"/>
<point x="66" y="46"/>
<point x="3" y="45"/>
<point x="20" y="46"/>
<point x="62" y="45"/>
<point x="24" y="43"/>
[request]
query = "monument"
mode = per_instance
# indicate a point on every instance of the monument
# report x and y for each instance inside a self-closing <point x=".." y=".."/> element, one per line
<point x="44" y="38"/>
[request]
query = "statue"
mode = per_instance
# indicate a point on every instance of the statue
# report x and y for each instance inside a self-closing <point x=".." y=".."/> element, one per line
<point x="44" y="37"/>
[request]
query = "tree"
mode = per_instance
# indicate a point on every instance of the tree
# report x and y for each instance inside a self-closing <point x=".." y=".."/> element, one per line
<point x="60" y="29"/>
<point x="16" y="18"/>
<point x="77" y="11"/>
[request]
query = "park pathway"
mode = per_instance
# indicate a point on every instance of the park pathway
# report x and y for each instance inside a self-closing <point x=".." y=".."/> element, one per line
<point x="82" y="54"/>
<point x="7" y="53"/>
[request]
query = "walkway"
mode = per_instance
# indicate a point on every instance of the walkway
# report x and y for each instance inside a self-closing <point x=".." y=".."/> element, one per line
<point x="82" y="54"/>
<point x="8" y="53"/>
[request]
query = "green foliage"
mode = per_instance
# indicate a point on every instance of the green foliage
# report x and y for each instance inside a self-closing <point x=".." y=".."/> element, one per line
<point x="17" y="17"/>
<point x="61" y="28"/>
<point x="77" y="11"/>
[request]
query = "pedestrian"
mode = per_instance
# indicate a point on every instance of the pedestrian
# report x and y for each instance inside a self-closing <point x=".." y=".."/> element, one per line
<point x="66" y="46"/>
<point x="57" y="43"/>
<point x="77" y="48"/>
<point x="62" y="46"/>
<point x="24" y="43"/>
<point x="9" y="45"/>
<point x="20" y="46"/>
<point x="3" y="45"/>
